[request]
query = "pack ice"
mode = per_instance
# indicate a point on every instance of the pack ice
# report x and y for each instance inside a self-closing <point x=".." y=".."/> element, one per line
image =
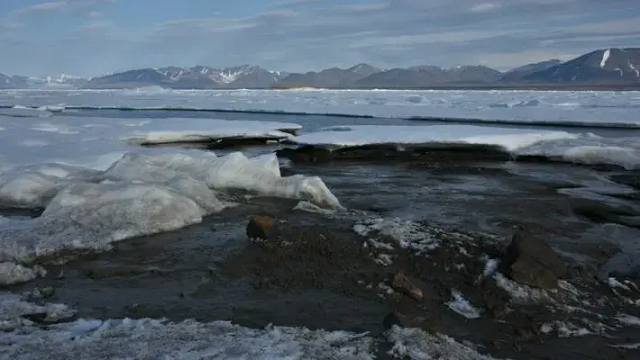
<point x="87" y="210"/>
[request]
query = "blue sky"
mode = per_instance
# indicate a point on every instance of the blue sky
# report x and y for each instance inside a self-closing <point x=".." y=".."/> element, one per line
<point x="93" y="37"/>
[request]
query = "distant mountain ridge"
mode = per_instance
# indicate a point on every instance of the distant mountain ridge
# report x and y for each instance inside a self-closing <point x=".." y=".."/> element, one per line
<point x="197" y="77"/>
<point x="604" y="66"/>
<point x="611" y="65"/>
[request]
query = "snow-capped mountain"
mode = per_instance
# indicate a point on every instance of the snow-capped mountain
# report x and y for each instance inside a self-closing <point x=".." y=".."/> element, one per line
<point x="601" y="66"/>
<point x="197" y="77"/>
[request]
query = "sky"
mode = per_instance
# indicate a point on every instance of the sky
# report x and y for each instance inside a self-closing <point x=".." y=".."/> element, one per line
<point x="95" y="37"/>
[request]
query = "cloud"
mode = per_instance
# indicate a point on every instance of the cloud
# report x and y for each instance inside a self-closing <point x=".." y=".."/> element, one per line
<point x="45" y="6"/>
<point x="60" y="5"/>
<point x="301" y="35"/>
<point x="483" y="7"/>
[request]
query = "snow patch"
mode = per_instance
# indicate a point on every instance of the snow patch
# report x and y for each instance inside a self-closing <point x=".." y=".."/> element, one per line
<point x="419" y="345"/>
<point x="564" y="329"/>
<point x="605" y="57"/>
<point x="154" y="339"/>
<point x="407" y="234"/>
<point x="11" y="273"/>
<point x="509" y="139"/>
<point x="628" y="319"/>
<point x="462" y="306"/>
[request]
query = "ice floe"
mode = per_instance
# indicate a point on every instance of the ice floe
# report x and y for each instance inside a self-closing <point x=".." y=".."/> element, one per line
<point x="357" y="135"/>
<point x="213" y="130"/>
<point x="583" y="148"/>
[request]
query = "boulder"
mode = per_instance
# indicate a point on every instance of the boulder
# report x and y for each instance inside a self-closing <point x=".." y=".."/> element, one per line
<point x="531" y="261"/>
<point x="260" y="227"/>
<point x="401" y="283"/>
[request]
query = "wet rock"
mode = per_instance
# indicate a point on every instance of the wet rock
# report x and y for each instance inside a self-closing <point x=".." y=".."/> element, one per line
<point x="532" y="262"/>
<point x="401" y="283"/>
<point x="260" y="227"/>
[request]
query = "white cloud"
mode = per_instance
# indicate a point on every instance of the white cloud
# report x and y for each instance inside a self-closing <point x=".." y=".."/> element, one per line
<point x="45" y="6"/>
<point x="484" y="7"/>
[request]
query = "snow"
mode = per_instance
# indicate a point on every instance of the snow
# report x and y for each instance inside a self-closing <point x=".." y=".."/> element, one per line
<point x="462" y="306"/>
<point x="158" y="338"/>
<point x="632" y="67"/>
<point x="210" y="130"/>
<point x="147" y="338"/>
<point x="357" y="135"/>
<point x="194" y="136"/>
<point x="11" y="273"/>
<point x="419" y="345"/>
<point x="601" y="108"/>
<point x="13" y="307"/>
<point x="605" y="57"/>
<point x="628" y="319"/>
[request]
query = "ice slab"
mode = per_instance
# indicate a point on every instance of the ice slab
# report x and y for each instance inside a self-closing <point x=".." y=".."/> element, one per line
<point x="214" y="130"/>
<point x="359" y="135"/>
<point x="583" y="148"/>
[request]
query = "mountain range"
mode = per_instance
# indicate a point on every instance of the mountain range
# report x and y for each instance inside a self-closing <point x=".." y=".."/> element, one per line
<point x="612" y="67"/>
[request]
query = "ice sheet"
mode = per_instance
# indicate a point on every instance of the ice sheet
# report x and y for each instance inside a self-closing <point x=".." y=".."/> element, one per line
<point x="591" y="108"/>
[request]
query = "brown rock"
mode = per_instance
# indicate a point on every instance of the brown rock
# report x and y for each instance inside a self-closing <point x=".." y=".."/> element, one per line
<point x="532" y="262"/>
<point x="402" y="284"/>
<point x="259" y="227"/>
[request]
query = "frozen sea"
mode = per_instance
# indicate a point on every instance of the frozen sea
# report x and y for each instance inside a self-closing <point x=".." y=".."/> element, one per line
<point x="128" y="179"/>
